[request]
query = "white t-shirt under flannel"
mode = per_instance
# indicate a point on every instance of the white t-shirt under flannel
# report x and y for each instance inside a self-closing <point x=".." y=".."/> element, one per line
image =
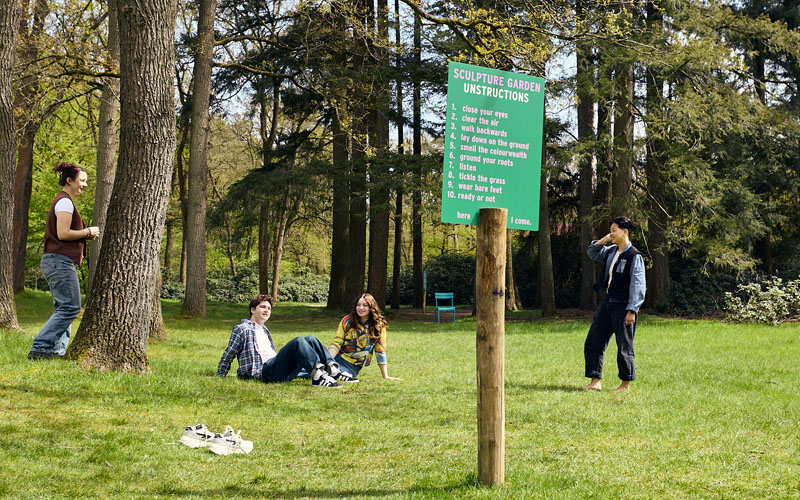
<point x="263" y="345"/>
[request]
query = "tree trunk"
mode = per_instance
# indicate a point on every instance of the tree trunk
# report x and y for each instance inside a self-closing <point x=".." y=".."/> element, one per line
<point x="586" y="85"/>
<point x="337" y="287"/>
<point x="398" y="205"/>
<point x="106" y="142"/>
<point x="23" y="182"/>
<point x="9" y="22"/>
<point x="623" y="138"/>
<point x="546" y="282"/>
<point x="658" y="279"/>
<point x="264" y="241"/>
<point x="182" y="197"/>
<point x="603" y="153"/>
<point x="288" y="213"/>
<point x="379" y="189"/>
<point x="416" y="196"/>
<point x="157" y="331"/>
<point x="116" y="324"/>
<point x="29" y="121"/>
<point x="168" y="248"/>
<point x="357" y="230"/>
<point x="512" y="295"/>
<point x="194" y="304"/>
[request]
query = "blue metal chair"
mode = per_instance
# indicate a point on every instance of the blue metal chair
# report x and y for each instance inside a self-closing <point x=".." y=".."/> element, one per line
<point x="447" y="304"/>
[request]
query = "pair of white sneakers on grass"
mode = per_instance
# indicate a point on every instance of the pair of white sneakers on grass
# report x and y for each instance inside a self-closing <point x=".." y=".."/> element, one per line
<point x="227" y="443"/>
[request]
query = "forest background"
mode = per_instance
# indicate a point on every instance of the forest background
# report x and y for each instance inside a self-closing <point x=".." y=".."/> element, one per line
<point x="298" y="149"/>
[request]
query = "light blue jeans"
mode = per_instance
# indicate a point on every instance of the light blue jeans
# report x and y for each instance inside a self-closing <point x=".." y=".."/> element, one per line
<point x="62" y="277"/>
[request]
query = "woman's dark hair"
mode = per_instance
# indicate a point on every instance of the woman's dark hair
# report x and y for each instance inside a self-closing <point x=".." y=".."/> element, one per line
<point x="377" y="323"/>
<point x="624" y="223"/>
<point x="259" y="299"/>
<point x="68" y="171"/>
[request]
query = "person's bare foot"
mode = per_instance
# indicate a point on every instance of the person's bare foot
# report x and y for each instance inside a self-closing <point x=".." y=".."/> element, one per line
<point x="594" y="385"/>
<point x="623" y="387"/>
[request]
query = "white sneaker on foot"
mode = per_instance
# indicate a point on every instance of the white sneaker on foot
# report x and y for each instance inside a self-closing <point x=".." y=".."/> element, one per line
<point x="197" y="436"/>
<point x="230" y="442"/>
<point x="320" y="378"/>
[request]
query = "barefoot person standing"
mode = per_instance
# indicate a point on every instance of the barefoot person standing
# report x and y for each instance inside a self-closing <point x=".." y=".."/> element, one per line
<point x="64" y="238"/>
<point x="623" y="287"/>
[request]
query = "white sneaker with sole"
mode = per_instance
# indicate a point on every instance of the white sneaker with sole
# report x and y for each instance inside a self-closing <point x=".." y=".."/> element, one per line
<point x="230" y="442"/>
<point x="197" y="436"/>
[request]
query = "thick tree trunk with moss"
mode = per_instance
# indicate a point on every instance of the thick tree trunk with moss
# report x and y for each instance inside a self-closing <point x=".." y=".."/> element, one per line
<point x="9" y="21"/>
<point x="194" y="304"/>
<point x="117" y="322"/>
<point x="337" y="287"/>
<point x="106" y="141"/>
<point x="513" y="302"/>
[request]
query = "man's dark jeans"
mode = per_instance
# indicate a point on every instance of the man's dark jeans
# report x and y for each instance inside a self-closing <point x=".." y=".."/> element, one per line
<point x="300" y="353"/>
<point x="610" y="320"/>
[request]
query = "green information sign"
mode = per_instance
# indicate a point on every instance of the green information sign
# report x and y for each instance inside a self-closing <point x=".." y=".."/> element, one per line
<point x="493" y="145"/>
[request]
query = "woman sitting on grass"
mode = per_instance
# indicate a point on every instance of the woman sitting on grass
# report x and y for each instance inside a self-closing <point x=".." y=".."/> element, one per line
<point x="361" y="333"/>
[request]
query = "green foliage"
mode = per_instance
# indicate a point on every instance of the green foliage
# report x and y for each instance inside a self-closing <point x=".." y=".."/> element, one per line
<point x="770" y="301"/>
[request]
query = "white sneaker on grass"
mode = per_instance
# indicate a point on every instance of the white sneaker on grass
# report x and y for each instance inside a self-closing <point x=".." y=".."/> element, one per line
<point x="230" y="442"/>
<point x="320" y="378"/>
<point x="197" y="436"/>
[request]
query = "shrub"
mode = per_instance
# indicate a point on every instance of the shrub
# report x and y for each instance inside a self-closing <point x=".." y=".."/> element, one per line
<point x="769" y="301"/>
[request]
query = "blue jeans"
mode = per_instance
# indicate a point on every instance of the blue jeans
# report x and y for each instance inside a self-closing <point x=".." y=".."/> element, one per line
<point x="347" y="366"/>
<point x="62" y="277"/>
<point x="300" y="353"/>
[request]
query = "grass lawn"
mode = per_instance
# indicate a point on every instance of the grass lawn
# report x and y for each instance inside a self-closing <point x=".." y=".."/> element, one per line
<point x="714" y="414"/>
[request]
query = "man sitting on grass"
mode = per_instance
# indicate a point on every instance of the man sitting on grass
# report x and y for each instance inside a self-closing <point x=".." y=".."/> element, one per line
<point x="251" y="343"/>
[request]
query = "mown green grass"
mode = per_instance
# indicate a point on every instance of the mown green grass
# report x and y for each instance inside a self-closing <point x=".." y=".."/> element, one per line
<point x="713" y="414"/>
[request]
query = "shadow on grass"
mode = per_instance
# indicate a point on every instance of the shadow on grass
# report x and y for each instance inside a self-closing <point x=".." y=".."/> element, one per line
<point x="467" y="482"/>
<point x="543" y="387"/>
<point x="266" y="492"/>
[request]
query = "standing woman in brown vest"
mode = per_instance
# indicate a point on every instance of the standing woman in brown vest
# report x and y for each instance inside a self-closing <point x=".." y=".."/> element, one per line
<point x="64" y="238"/>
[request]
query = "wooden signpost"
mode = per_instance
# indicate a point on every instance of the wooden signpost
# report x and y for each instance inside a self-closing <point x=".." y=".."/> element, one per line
<point x="490" y="178"/>
<point x="490" y="276"/>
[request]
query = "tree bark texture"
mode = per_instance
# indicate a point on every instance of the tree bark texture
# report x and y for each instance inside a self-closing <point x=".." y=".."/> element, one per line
<point x="194" y="304"/>
<point x="398" y="206"/>
<point x="23" y="182"/>
<point x="546" y="282"/>
<point x="658" y="279"/>
<point x="117" y="321"/>
<point x="623" y="138"/>
<point x="9" y="22"/>
<point x="490" y="280"/>
<point x="585" y="79"/>
<point x="416" y="196"/>
<point x="379" y="189"/>
<point x="512" y="295"/>
<point x="264" y="237"/>
<point x="29" y="119"/>
<point x="337" y="286"/>
<point x="106" y="141"/>
<point x="157" y="331"/>
<point x="603" y="153"/>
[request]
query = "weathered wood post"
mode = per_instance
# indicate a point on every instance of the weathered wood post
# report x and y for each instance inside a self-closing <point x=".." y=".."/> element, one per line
<point x="490" y="280"/>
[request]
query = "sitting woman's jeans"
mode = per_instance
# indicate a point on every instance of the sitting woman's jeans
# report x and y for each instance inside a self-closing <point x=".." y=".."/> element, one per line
<point x="62" y="277"/>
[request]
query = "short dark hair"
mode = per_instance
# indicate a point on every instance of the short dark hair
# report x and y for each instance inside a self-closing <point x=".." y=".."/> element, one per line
<point x="624" y="223"/>
<point x="259" y="299"/>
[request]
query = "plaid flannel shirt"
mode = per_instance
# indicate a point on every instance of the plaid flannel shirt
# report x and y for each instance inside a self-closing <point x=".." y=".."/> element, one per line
<point x="242" y="345"/>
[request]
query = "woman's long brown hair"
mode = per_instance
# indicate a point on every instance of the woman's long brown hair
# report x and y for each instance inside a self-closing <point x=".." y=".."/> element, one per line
<point x="377" y="323"/>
